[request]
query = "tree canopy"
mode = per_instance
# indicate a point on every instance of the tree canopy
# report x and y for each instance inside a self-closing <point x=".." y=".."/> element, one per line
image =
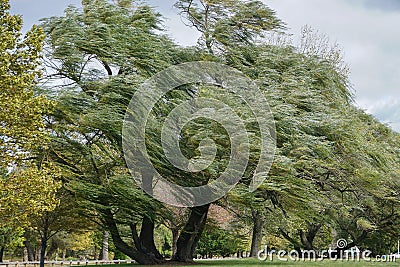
<point x="27" y="182"/>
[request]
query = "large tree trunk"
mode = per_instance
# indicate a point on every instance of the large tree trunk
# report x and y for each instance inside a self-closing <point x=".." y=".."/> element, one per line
<point x="44" y="238"/>
<point x="258" y="223"/>
<point x="104" y="246"/>
<point x="144" y="250"/>
<point x="190" y="234"/>
<point x="147" y="238"/>
<point x="121" y="245"/>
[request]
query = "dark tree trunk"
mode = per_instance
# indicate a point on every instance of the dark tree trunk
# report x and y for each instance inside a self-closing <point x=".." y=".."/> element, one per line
<point x="144" y="250"/>
<point x="190" y="234"/>
<point x="147" y="238"/>
<point x="1" y="254"/>
<point x="304" y="241"/>
<point x="135" y="237"/>
<point x="295" y="244"/>
<point x="44" y="238"/>
<point x="104" y="246"/>
<point x="258" y="223"/>
<point x="339" y="252"/>
<point x="307" y="238"/>
<point x="43" y="246"/>
<point x="121" y="245"/>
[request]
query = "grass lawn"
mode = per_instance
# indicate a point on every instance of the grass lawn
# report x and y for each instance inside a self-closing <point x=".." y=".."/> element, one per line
<point x="257" y="263"/>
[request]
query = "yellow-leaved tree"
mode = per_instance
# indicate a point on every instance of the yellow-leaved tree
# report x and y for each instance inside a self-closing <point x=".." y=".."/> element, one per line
<point x="27" y="184"/>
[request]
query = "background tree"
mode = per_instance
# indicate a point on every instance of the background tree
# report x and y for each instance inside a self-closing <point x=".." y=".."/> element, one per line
<point x="215" y="241"/>
<point x="10" y="238"/>
<point x="27" y="187"/>
<point x="66" y="217"/>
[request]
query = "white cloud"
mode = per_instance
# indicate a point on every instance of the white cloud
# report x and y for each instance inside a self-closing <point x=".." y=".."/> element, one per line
<point x="182" y="34"/>
<point x="369" y="34"/>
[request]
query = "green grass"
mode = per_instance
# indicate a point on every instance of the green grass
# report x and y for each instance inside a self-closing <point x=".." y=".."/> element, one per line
<point x="257" y="263"/>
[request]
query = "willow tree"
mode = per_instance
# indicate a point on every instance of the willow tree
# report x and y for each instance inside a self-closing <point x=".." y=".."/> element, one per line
<point x="225" y="26"/>
<point x="103" y="53"/>
<point x="341" y="152"/>
<point x="299" y="87"/>
<point x="365" y="201"/>
<point x="305" y="100"/>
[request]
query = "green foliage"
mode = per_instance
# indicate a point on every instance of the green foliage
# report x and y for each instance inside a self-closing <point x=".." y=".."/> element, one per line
<point x="216" y="241"/>
<point x="121" y="39"/>
<point x="118" y="255"/>
<point x="106" y="51"/>
<point x="332" y="159"/>
<point x="21" y="112"/>
<point x="225" y="24"/>
<point x="26" y="193"/>
<point x="29" y="188"/>
<point x="11" y="238"/>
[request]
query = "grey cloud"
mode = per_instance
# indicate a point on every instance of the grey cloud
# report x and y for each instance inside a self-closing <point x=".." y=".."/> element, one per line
<point x="166" y="6"/>
<point x="32" y="11"/>
<point x="386" y="5"/>
<point x="386" y="110"/>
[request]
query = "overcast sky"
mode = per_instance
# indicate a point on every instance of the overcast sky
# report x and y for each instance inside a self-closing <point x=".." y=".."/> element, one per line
<point x="367" y="30"/>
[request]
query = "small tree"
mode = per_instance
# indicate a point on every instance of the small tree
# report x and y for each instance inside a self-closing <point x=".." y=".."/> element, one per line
<point x="216" y="241"/>
<point x="29" y="187"/>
